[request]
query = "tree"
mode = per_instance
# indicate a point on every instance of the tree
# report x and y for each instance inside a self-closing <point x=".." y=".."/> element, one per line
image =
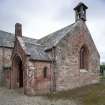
<point x="102" y="68"/>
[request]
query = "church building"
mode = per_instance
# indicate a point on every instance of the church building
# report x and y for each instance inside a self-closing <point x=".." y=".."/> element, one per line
<point x="65" y="59"/>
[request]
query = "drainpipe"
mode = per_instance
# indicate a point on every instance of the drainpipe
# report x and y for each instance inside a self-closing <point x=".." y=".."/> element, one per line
<point x="53" y="66"/>
<point x="10" y="79"/>
<point x="3" y="66"/>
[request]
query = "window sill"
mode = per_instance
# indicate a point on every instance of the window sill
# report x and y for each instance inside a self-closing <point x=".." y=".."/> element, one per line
<point x="83" y="70"/>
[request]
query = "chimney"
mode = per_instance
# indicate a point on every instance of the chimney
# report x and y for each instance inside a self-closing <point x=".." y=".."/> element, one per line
<point x="80" y="12"/>
<point x="18" y="29"/>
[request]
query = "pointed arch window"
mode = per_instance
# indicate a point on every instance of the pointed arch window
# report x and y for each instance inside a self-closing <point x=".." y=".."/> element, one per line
<point x="84" y="57"/>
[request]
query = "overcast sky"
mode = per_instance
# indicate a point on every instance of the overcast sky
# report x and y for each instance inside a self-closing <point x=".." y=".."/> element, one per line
<point x="41" y="17"/>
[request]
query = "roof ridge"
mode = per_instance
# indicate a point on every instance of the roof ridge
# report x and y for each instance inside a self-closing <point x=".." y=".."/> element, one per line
<point x="37" y="44"/>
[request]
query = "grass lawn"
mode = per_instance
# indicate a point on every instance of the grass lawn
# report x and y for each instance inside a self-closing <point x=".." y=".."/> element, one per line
<point x="88" y="95"/>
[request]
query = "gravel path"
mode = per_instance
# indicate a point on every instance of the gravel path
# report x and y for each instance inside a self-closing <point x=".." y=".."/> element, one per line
<point x="16" y="97"/>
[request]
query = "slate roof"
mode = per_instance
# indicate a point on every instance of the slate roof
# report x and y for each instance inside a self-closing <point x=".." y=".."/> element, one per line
<point x="36" y="48"/>
<point x="7" y="39"/>
<point x="52" y="39"/>
<point x="37" y="52"/>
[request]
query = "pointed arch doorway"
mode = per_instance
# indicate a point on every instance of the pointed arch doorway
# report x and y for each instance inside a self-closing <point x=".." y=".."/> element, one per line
<point x="20" y="74"/>
<point x="17" y="74"/>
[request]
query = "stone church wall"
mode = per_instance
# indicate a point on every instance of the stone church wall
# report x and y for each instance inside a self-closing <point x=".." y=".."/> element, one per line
<point x="68" y="72"/>
<point x="5" y="64"/>
<point x="38" y="83"/>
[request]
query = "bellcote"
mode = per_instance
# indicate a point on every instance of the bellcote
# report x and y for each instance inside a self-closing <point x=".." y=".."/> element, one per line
<point x="80" y="12"/>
